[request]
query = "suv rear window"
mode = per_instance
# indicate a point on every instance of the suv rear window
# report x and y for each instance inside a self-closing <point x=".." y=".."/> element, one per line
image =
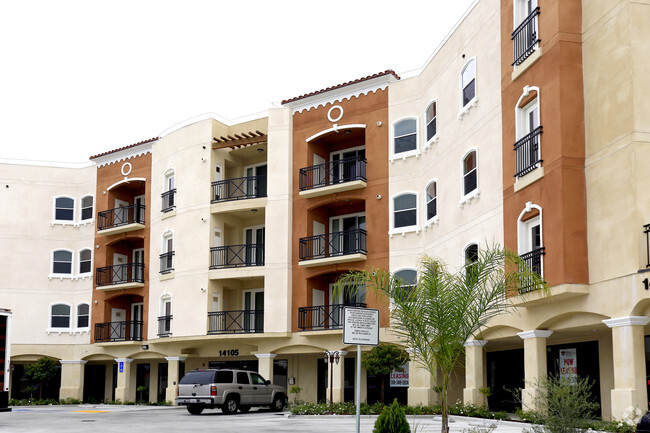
<point x="224" y="376"/>
<point x="199" y="377"/>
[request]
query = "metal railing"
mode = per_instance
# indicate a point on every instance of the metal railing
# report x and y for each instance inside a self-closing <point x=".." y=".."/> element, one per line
<point x="646" y="230"/>
<point x="239" y="188"/>
<point x="322" y="317"/>
<point x="332" y="172"/>
<point x="235" y="256"/>
<point x="333" y="244"/>
<point x="235" y="321"/>
<point x="527" y="150"/>
<point x="534" y="261"/>
<point x="165" y="326"/>
<point x="167" y="262"/>
<point x="525" y="38"/>
<point x="130" y="330"/>
<point x="168" y="203"/>
<point x="120" y="274"/>
<point x="121" y="216"/>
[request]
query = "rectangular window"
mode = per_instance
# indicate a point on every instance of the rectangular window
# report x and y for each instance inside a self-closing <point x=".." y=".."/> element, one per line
<point x="83" y="311"/>
<point x="64" y="209"/>
<point x="86" y="208"/>
<point x="405" y="210"/>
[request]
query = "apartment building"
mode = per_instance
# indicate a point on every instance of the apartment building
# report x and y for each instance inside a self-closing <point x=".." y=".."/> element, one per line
<point x="217" y="243"/>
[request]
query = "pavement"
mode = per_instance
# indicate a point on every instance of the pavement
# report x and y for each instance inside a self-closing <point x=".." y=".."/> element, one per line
<point x="156" y="419"/>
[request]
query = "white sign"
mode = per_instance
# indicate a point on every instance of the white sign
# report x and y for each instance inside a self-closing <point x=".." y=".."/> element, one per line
<point x="399" y="378"/>
<point x="568" y="364"/>
<point x="361" y="326"/>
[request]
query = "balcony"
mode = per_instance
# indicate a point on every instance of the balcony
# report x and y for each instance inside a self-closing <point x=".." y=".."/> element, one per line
<point x="118" y="331"/>
<point x="330" y="248"/>
<point x="168" y="203"/>
<point x="237" y="256"/>
<point x="239" y="189"/>
<point x="534" y="261"/>
<point x="236" y="322"/>
<point x="167" y="262"/>
<point x="121" y="220"/>
<point x="525" y="38"/>
<point x="117" y="277"/>
<point x="333" y="177"/>
<point x="323" y="317"/>
<point x="165" y="326"/>
<point x="528" y="154"/>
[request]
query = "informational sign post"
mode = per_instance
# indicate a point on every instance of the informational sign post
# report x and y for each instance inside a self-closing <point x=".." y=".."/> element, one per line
<point x="360" y="327"/>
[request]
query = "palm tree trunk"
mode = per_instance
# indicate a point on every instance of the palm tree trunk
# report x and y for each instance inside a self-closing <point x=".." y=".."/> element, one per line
<point x="444" y="402"/>
<point x="381" y="388"/>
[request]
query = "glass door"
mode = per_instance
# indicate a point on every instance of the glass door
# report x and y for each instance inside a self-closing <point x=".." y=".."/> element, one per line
<point x="254" y="310"/>
<point x="136" y="321"/>
<point x="254" y="240"/>
<point x="256" y="181"/>
<point x="346" y="165"/>
<point x="345" y="237"/>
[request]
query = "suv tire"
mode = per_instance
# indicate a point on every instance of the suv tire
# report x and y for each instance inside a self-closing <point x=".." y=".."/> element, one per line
<point x="230" y="406"/>
<point x="195" y="409"/>
<point x="278" y="403"/>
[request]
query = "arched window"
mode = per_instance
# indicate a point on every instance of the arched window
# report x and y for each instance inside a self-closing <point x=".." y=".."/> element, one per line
<point x="85" y="261"/>
<point x="83" y="315"/>
<point x="468" y="83"/>
<point x="528" y="131"/>
<point x="525" y="36"/>
<point x="432" y="200"/>
<point x="165" y="318"/>
<point x="471" y="257"/>
<point x="167" y="256"/>
<point x="62" y="262"/>
<point x="430" y="117"/>
<point x="87" y="207"/>
<point x="407" y="278"/>
<point x="60" y="316"/>
<point x="405" y="210"/>
<point x="405" y="136"/>
<point x="529" y="239"/>
<point x="169" y="190"/>
<point x="470" y="172"/>
<point x="64" y="209"/>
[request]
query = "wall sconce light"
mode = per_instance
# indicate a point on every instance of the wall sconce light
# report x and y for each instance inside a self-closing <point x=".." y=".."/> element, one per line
<point x="95" y="302"/>
<point x="254" y="210"/>
<point x="96" y="247"/>
<point x="260" y="150"/>
<point x="203" y="289"/>
<point x="145" y="347"/>
<point x="104" y="192"/>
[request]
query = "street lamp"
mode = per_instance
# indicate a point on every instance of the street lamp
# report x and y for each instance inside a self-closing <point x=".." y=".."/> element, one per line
<point x="331" y="356"/>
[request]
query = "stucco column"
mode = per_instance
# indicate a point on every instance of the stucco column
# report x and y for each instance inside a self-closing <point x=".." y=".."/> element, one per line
<point x="338" y="375"/>
<point x="628" y="349"/>
<point x="420" y="384"/>
<point x="109" y="386"/>
<point x="153" y="382"/>
<point x="72" y="379"/>
<point x="172" y="377"/>
<point x="265" y="365"/>
<point x="124" y="391"/>
<point x="534" y="365"/>
<point x="474" y="373"/>
<point x="364" y="384"/>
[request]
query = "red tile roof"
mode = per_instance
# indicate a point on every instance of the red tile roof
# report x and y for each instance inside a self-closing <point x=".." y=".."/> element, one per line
<point x="369" y="77"/>
<point x="125" y="147"/>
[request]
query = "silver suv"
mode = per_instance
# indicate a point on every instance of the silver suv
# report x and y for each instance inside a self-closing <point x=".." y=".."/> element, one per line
<point x="229" y="390"/>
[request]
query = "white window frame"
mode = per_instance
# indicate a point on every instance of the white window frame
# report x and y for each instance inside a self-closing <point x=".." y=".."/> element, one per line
<point x="72" y="267"/>
<point x="394" y="273"/>
<point x="406" y="229"/>
<point x="170" y="173"/>
<point x="521" y="117"/>
<point x="476" y="192"/>
<point x="435" y="219"/>
<point x="167" y="235"/>
<point x="84" y="274"/>
<point x="50" y="328"/>
<point x="403" y="155"/>
<point x="81" y="208"/>
<point x="434" y="139"/>
<point x="464" y="108"/>
<point x="74" y="211"/>
<point x="165" y="298"/>
<point x="519" y="14"/>
<point x="76" y="318"/>
<point x="522" y="228"/>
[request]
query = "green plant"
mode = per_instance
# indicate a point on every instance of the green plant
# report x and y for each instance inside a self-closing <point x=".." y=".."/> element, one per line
<point x="295" y="390"/>
<point x="443" y="310"/>
<point x="141" y="389"/>
<point x="392" y="420"/>
<point x="41" y="372"/>
<point x="382" y="360"/>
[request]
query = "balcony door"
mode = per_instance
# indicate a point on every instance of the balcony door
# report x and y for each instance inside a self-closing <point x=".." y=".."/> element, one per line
<point x="136" y="320"/>
<point x="138" y="212"/>
<point x="317" y="300"/>
<point x="120" y="215"/>
<point x="138" y="267"/>
<point x="119" y="274"/>
<point x="342" y="299"/>
<point x="344" y="169"/>
<point x="256" y="180"/>
<point x="254" y="310"/>
<point x="342" y="241"/>
<point x="254" y="240"/>
<point x="117" y="328"/>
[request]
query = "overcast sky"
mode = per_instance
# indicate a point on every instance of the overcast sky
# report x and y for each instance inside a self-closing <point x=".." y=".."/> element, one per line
<point x="78" y="78"/>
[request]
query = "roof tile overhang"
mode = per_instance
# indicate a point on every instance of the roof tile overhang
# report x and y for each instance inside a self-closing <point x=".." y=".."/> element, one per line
<point x="123" y="153"/>
<point x="125" y="147"/>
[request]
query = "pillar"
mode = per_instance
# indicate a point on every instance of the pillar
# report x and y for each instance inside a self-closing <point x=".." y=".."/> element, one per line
<point x="474" y="373"/>
<point x="628" y="349"/>
<point x="364" y="384"/>
<point x="124" y="391"/>
<point x="72" y="379"/>
<point x="338" y="386"/>
<point x="534" y="365"/>
<point x="172" y="377"/>
<point x="109" y="386"/>
<point x="421" y="383"/>
<point x="153" y="382"/>
<point x="265" y="365"/>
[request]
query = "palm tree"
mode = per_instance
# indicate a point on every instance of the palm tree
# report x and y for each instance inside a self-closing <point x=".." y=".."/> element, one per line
<point x="445" y="309"/>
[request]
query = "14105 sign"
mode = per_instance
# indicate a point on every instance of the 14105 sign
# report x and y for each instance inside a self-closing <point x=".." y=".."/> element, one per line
<point x="229" y="352"/>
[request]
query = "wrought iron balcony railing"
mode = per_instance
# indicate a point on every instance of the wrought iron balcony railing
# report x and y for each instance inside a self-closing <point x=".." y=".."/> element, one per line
<point x="120" y="216"/>
<point x="235" y="256"/>
<point x="239" y="188"/>
<point x="120" y="274"/>
<point x="235" y="321"/>
<point x="534" y="261"/>
<point x="168" y="203"/>
<point x="119" y="331"/>
<point x="165" y="326"/>
<point x="646" y="230"/>
<point x="527" y="150"/>
<point x="332" y="172"/>
<point x="322" y="317"/>
<point x="525" y="38"/>
<point x="167" y="262"/>
<point x="333" y="244"/>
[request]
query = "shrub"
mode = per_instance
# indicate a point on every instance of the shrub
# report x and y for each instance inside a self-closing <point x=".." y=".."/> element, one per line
<point x="392" y="420"/>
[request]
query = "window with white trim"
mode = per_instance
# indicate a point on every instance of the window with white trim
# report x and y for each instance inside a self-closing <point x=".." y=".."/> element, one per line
<point x="83" y="315"/>
<point x="525" y="35"/>
<point x="87" y="207"/>
<point x="167" y="256"/>
<point x="63" y="209"/>
<point x="528" y="132"/>
<point x="165" y="318"/>
<point x="405" y="137"/>
<point x="471" y="257"/>
<point x="470" y="173"/>
<point x="430" y="118"/>
<point x="62" y="262"/>
<point x="530" y="240"/>
<point x="432" y="200"/>
<point x="169" y="191"/>
<point x="468" y="83"/>
<point x="60" y="316"/>
<point x="85" y="261"/>
<point x="405" y="208"/>
<point x="407" y="278"/>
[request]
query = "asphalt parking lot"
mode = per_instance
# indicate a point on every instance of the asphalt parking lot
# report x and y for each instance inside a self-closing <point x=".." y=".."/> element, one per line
<point x="150" y="419"/>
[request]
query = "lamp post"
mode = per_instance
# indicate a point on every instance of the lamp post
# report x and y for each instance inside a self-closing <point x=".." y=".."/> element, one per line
<point x="331" y="357"/>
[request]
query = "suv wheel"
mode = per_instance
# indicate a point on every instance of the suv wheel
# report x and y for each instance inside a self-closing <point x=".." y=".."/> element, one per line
<point x="195" y="409"/>
<point x="230" y="405"/>
<point x="278" y="403"/>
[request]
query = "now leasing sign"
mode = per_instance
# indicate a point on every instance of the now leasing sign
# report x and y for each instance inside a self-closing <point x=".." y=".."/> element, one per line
<point x="361" y="326"/>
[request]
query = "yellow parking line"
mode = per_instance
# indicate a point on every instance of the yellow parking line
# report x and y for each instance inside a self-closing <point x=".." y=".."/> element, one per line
<point x="92" y="411"/>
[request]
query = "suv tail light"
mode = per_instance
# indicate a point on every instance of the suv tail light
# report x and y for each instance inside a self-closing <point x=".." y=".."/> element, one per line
<point x="176" y="391"/>
<point x="213" y="390"/>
